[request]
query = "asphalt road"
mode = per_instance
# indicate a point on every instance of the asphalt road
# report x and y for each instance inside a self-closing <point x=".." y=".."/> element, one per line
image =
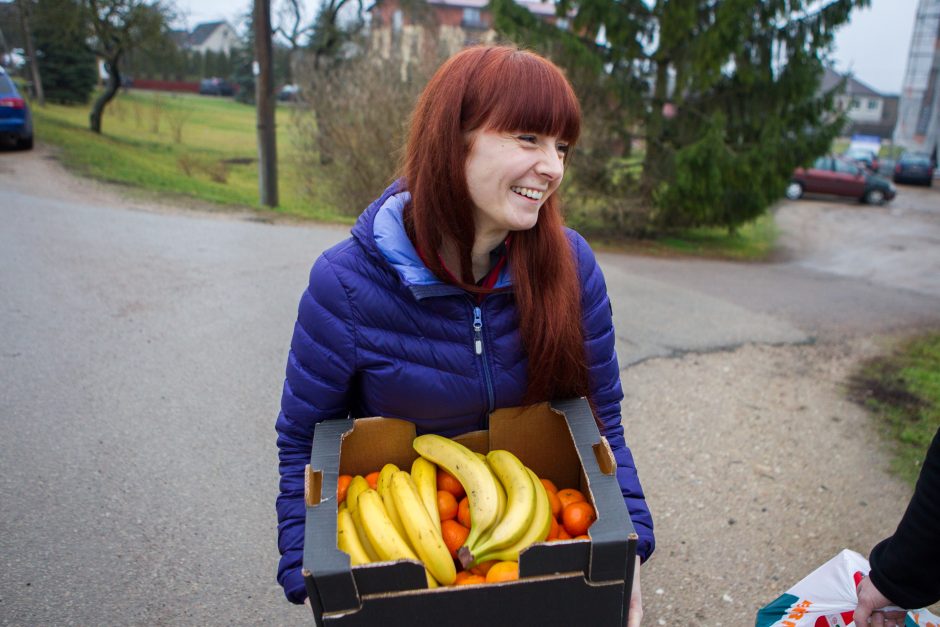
<point x="141" y="360"/>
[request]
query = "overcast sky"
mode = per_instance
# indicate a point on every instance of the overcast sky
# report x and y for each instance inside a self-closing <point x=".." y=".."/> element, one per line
<point x="873" y="45"/>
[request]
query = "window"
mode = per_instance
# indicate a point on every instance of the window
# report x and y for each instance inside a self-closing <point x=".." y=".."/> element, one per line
<point x="471" y="17"/>
<point x="872" y="104"/>
<point x="855" y="103"/>
<point x="846" y="168"/>
<point x="823" y="163"/>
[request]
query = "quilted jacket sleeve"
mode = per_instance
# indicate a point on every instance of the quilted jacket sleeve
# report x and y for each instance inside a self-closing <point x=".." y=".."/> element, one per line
<point x="320" y="367"/>
<point x="606" y="392"/>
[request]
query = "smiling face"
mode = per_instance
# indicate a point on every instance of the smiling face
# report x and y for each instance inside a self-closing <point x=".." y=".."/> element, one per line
<point x="510" y="175"/>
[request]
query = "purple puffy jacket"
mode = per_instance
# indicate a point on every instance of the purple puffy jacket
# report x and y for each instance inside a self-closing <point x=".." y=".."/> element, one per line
<point x="377" y="334"/>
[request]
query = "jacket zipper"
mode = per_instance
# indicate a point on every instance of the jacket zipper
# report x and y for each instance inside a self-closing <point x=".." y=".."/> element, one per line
<point x="478" y="349"/>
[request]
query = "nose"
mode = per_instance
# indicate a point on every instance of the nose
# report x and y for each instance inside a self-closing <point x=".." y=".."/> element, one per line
<point x="551" y="165"/>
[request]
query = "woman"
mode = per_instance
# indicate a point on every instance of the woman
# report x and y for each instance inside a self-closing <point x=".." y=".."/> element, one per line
<point x="460" y="291"/>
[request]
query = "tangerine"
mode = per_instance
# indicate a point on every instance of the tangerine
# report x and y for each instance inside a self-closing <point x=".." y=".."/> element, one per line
<point x="555" y="502"/>
<point x="446" y="505"/>
<point x="463" y="512"/>
<point x="570" y="495"/>
<point x="449" y="483"/>
<point x="467" y="578"/>
<point x="482" y="568"/>
<point x="373" y="479"/>
<point x="503" y="571"/>
<point x="550" y="486"/>
<point x="562" y="534"/>
<point x="553" y="532"/>
<point x="577" y="517"/>
<point x="454" y="535"/>
<point x="342" y="484"/>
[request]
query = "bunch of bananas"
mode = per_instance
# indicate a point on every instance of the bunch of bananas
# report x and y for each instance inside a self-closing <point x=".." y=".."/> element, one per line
<point x="509" y="510"/>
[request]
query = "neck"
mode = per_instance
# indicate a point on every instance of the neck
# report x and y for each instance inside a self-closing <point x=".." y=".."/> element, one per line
<point x="483" y="243"/>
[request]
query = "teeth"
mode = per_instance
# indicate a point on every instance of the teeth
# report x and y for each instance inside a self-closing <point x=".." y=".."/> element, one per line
<point x="528" y="192"/>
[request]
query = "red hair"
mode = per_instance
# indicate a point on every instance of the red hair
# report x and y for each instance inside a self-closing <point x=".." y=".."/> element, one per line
<point x="502" y="89"/>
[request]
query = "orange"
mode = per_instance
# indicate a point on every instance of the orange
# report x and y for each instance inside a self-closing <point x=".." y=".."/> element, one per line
<point x="582" y="537"/>
<point x="503" y="571"/>
<point x="446" y="505"/>
<point x="463" y="512"/>
<point x="482" y="568"/>
<point x="342" y="484"/>
<point x="562" y="534"/>
<point x="454" y="535"/>
<point x="555" y="502"/>
<point x="577" y="517"/>
<point x="553" y="532"/>
<point x="550" y="486"/>
<point x="569" y="495"/>
<point x="373" y="479"/>
<point x="449" y="483"/>
<point x="466" y="578"/>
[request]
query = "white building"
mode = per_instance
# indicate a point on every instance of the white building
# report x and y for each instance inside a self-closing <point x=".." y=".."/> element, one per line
<point x="213" y="37"/>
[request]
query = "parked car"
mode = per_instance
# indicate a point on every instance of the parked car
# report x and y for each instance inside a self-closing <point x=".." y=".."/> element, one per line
<point x="16" y="120"/>
<point x="864" y="156"/>
<point x="914" y="167"/>
<point x="288" y="93"/>
<point x="216" y="87"/>
<point x="838" y="177"/>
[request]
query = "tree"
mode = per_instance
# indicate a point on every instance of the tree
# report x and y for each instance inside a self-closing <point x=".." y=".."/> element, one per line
<point x="724" y="94"/>
<point x="292" y="25"/>
<point x="66" y="64"/>
<point x="119" y="26"/>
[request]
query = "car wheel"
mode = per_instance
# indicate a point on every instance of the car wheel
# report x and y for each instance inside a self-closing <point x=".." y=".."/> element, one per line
<point x="875" y="197"/>
<point x="794" y="190"/>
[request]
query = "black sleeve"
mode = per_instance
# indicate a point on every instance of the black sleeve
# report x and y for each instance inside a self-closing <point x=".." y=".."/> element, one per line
<point x="906" y="566"/>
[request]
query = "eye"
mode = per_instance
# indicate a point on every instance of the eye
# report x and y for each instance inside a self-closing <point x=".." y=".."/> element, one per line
<point x="529" y="139"/>
<point x="562" y="149"/>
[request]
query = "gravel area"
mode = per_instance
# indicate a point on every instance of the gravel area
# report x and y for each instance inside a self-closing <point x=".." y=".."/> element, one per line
<point x="757" y="470"/>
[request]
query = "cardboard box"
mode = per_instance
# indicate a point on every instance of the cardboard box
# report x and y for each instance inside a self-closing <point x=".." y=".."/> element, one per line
<point x="563" y="583"/>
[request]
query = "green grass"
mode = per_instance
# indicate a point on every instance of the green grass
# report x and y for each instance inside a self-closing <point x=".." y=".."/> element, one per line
<point x="902" y="390"/>
<point x="215" y="159"/>
<point x="753" y="242"/>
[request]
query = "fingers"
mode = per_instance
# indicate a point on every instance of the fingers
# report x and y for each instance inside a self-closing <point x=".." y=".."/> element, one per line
<point x="861" y="616"/>
<point x="636" y="615"/>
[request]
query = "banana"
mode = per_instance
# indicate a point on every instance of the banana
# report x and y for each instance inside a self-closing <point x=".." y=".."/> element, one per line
<point x="347" y="538"/>
<point x="424" y="535"/>
<point x="501" y="493"/>
<point x="537" y="532"/>
<point x="471" y="472"/>
<point x="382" y="533"/>
<point x="424" y="474"/>
<point x="520" y="507"/>
<point x="382" y="485"/>
<point x="357" y="486"/>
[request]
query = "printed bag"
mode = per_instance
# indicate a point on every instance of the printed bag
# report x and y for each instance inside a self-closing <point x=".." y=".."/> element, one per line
<point x="827" y="598"/>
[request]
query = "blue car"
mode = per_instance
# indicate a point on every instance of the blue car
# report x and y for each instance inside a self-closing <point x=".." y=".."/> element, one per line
<point x="16" y="121"/>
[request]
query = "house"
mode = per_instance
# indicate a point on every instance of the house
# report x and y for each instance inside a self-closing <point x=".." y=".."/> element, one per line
<point x="869" y="112"/>
<point x="459" y="23"/>
<point x="208" y="37"/>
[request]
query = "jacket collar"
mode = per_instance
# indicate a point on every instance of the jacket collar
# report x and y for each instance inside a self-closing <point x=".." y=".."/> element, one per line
<point x="381" y="230"/>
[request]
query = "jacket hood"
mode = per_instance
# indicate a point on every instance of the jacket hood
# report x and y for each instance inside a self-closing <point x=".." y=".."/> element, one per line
<point x="380" y="230"/>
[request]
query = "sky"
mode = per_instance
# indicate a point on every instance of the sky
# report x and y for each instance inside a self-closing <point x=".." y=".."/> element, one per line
<point x="873" y="45"/>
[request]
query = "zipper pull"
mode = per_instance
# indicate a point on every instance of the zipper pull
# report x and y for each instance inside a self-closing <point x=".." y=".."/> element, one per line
<point x="478" y="330"/>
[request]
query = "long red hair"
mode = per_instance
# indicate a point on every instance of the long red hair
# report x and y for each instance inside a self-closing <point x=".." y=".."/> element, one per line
<point x="501" y="89"/>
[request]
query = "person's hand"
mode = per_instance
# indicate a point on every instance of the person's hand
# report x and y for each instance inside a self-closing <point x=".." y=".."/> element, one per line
<point x="870" y="599"/>
<point x="636" y="601"/>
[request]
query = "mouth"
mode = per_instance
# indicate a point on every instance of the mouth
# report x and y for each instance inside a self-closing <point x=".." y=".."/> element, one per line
<point x="528" y="192"/>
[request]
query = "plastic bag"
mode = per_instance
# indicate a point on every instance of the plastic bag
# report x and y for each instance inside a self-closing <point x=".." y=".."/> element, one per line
<point x="827" y="598"/>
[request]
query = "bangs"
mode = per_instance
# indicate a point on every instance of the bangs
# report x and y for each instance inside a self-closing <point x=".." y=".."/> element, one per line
<point x="522" y="92"/>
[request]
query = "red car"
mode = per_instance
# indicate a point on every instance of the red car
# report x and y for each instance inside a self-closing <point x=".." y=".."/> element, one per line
<point x="837" y="177"/>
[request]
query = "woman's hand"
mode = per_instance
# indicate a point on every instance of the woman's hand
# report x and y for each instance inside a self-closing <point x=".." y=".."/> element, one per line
<point x="870" y="599"/>
<point x="636" y="602"/>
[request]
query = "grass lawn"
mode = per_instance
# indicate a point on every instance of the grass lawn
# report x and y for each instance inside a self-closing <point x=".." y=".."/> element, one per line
<point x="903" y="392"/>
<point x="196" y="146"/>
<point x="204" y="147"/>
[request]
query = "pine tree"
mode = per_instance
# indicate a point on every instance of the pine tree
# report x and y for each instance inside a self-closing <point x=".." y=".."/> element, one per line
<point x="725" y="94"/>
<point x="67" y="66"/>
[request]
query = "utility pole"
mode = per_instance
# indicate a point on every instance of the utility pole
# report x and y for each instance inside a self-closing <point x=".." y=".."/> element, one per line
<point x="23" y="6"/>
<point x="265" y="104"/>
